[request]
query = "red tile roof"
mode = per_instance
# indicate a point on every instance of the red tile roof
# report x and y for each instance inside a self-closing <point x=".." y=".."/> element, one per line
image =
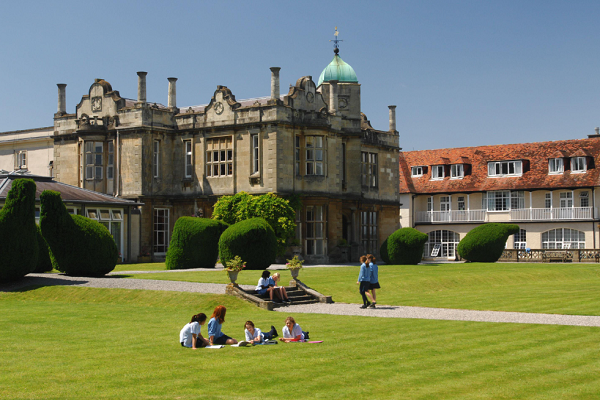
<point x="535" y="175"/>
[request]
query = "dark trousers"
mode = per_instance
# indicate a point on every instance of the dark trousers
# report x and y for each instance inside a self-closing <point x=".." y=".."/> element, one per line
<point x="364" y="287"/>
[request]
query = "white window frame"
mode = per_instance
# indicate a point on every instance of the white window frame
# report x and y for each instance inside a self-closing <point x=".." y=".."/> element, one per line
<point x="548" y="200"/>
<point x="417" y="171"/>
<point x="219" y="157"/>
<point x="316" y="220"/>
<point x="369" y="169"/>
<point x="584" y="199"/>
<point x="94" y="159"/>
<point x="156" y="158"/>
<point x="563" y="238"/>
<point x="22" y="159"/>
<point x="160" y="243"/>
<point x="520" y="239"/>
<point x="315" y="155"/>
<point x="109" y="218"/>
<point x="555" y="166"/>
<point x="566" y="200"/>
<point x="189" y="158"/>
<point x="460" y="202"/>
<point x="457" y="171"/>
<point x="437" y="172"/>
<point x="578" y="165"/>
<point x="255" y="152"/>
<point x="500" y="169"/>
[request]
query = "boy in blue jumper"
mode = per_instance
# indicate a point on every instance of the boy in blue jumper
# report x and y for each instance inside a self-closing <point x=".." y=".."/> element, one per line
<point x="364" y="277"/>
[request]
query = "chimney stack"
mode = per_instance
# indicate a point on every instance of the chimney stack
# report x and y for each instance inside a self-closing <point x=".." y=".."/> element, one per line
<point x="392" y="118"/>
<point x="597" y="131"/>
<point x="275" y="83"/>
<point x="172" y="94"/>
<point x="62" y="98"/>
<point x="142" y="87"/>
<point x="333" y="96"/>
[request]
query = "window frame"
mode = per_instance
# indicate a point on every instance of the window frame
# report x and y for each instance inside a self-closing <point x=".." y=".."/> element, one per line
<point x="435" y="172"/>
<point x="556" y="166"/>
<point x="368" y="170"/>
<point x="500" y="169"/>
<point x="222" y="147"/>
<point x="94" y="160"/>
<point x="584" y="195"/>
<point x="576" y="168"/>
<point x="160" y="248"/>
<point x="416" y="171"/>
<point x="188" y="161"/>
<point x="254" y="154"/>
<point x="369" y="231"/>
<point x="314" y="155"/>
<point x="156" y="158"/>
<point x="312" y="222"/>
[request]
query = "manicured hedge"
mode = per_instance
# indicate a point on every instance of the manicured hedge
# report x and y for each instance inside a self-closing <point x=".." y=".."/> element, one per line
<point x="44" y="263"/>
<point x="486" y="242"/>
<point x="195" y="243"/>
<point x="253" y="240"/>
<point x="383" y="252"/>
<point x="79" y="246"/>
<point x="405" y="246"/>
<point x="18" y="234"/>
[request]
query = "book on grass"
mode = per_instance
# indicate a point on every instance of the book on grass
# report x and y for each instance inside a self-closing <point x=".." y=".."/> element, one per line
<point x="215" y="346"/>
<point x="243" y="343"/>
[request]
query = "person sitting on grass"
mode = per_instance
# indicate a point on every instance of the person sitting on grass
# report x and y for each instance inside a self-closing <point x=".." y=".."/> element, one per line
<point x="255" y="336"/>
<point x="282" y="293"/>
<point x="215" y="336"/>
<point x="292" y="331"/>
<point x="190" y="334"/>
<point x="266" y="284"/>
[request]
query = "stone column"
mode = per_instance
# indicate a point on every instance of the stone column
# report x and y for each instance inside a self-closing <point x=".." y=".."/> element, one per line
<point x="62" y="98"/>
<point x="392" y="118"/>
<point x="142" y="87"/>
<point x="333" y="96"/>
<point x="275" y="83"/>
<point x="172" y="94"/>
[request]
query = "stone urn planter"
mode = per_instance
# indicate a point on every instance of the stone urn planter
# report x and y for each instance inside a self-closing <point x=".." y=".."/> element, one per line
<point x="233" y="275"/>
<point x="295" y="272"/>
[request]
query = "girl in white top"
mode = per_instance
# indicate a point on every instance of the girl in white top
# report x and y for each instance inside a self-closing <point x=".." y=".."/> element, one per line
<point x="190" y="336"/>
<point x="255" y="336"/>
<point x="292" y="331"/>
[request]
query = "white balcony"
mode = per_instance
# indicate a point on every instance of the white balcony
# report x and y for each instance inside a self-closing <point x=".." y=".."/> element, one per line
<point x="550" y="214"/>
<point x="451" y="216"/>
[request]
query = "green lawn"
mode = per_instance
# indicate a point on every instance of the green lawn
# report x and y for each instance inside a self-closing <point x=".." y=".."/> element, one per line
<point x="74" y="343"/>
<point x="539" y="288"/>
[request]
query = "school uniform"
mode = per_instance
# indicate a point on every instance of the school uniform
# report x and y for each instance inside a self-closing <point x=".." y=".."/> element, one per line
<point x="263" y="282"/>
<point x="296" y="330"/>
<point x="364" y="278"/>
<point x="214" y="329"/>
<point x="374" y="281"/>
<point x="186" y="337"/>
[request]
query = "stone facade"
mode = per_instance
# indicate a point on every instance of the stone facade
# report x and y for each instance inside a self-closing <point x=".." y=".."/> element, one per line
<point x="178" y="161"/>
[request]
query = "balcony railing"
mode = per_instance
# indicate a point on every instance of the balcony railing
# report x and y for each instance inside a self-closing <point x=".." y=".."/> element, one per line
<point x="451" y="216"/>
<point x="549" y="214"/>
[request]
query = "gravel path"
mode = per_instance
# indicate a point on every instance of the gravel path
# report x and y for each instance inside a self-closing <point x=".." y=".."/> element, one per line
<point x="319" y="308"/>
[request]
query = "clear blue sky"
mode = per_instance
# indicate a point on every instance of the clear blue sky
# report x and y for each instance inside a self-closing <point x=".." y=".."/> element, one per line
<point x="462" y="73"/>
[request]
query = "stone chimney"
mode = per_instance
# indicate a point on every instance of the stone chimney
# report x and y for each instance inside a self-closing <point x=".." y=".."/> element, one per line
<point x="392" y="118"/>
<point x="333" y="96"/>
<point x="172" y="94"/>
<point x="275" y="83"/>
<point x="141" y="87"/>
<point x="62" y="98"/>
<point x="597" y="131"/>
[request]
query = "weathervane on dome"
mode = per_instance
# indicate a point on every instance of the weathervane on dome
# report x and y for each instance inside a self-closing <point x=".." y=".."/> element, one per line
<point x="336" y="47"/>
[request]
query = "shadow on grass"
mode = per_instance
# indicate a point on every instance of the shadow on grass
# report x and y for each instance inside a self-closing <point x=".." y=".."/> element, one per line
<point x="34" y="282"/>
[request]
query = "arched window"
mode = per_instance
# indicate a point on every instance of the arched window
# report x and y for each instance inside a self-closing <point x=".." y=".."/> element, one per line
<point x="520" y="239"/>
<point x="563" y="238"/>
<point x="446" y="242"/>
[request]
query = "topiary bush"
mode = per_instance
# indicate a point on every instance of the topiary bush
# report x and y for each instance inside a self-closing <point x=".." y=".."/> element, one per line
<point x="79" y="246"/>
<point x="44" y="263"/>
<point x="18" y="241"/>
<point x="194" y="243"/>
<point x="253" y="240"/>
<point x="486" y="242"/>
<point x="275" y="210"/>
<point x="405" y="246"/>
<point x="383" y="252"/>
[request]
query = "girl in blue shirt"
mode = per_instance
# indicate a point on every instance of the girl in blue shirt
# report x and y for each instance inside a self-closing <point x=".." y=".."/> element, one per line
<point x="215" y="336"/>
<point x="364" y="278"/>
<point x="374" y="281"/>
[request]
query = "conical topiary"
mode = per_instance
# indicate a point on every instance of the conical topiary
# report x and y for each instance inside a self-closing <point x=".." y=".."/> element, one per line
<point x="79" y="246"/>
<point x="18" y="235"/>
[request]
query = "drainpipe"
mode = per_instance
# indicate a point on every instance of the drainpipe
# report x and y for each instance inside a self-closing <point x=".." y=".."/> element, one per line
<point x="118" y="165"/>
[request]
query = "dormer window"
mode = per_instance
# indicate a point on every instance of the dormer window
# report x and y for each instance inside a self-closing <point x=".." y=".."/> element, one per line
<point x="505" y="168"/>
<point x="555" y="166"/>
<point x="457" y="171"/>
<point x="416" y="172"/>
<point x="578" y="165"/>
<point x="437" y="172"/>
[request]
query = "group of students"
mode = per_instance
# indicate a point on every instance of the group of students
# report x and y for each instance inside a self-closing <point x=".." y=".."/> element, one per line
<point x="190" y="335"/>
<point x="368" y="280"/>
<point x="267" y="283"/>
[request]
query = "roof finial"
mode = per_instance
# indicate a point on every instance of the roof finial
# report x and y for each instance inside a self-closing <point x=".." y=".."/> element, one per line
<point x="336" y="41"/>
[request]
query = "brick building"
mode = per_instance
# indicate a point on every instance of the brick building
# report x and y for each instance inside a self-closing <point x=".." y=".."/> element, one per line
<point x="177" y="161"/>
<point x="549" y="189"/>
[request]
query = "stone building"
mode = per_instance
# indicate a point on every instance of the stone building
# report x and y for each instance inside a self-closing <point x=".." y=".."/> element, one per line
<point x="314" y="142"/>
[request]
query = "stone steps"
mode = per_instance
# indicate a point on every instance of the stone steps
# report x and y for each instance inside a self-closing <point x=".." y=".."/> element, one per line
<point x="298" y="294"/>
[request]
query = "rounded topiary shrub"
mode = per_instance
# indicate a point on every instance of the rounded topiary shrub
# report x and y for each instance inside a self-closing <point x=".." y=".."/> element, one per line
<point x="44" y="264"/>
<point x="195" y="243"/>
<point x="253" y="240"/>
<point x="383" y="252"/>
<point x="78" y="245"/>
<point x="486" y="242"/>
<point x="405" y="246"/>
<point x="18" y="240"/>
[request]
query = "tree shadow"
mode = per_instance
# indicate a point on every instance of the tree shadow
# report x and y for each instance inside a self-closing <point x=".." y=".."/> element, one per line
<point x="28" y="283"/>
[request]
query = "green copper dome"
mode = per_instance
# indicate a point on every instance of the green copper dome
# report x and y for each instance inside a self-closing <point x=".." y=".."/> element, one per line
<point x="338" y="70"/>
